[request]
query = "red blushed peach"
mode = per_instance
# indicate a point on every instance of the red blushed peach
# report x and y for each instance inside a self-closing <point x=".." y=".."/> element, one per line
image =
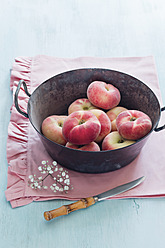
<point x="112" y="114"/>
<point x="133" y="124"/>
<point x="80" y="104"/>
<point x="103" y="95"/>
<point x="52" y="128"/>
<point x="81" y="127"/>
<point x="105" y="124"/>
<point x="89" y="147"/>
<point x="115" y="141"/>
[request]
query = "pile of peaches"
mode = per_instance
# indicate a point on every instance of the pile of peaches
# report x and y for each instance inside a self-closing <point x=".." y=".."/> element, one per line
<point x="97" y="122"/>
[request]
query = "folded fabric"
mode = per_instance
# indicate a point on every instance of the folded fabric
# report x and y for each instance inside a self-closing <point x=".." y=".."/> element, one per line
<point x="29" y="162"/>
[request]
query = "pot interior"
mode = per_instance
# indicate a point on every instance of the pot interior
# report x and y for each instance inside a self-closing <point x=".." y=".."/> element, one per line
<point x="55" y="95"/>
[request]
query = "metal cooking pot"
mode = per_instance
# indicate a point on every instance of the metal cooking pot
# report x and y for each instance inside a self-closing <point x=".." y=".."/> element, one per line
<point x="55" y="95"/>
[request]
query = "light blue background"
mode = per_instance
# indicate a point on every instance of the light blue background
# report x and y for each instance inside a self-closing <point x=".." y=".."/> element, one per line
<point x="74" y="28"/>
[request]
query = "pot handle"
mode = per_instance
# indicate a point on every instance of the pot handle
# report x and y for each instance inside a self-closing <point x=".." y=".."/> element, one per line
<point x="157" y="129"/>
<point x="21" y="82"/>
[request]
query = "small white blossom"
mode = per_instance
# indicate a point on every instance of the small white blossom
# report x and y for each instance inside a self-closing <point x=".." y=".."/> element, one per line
<point x="67" y="181"/>
<point x="35" y="184"/>
<point x="66" y="187"/>
<point x="60" y="177"/>
<point x="45" y="187"/>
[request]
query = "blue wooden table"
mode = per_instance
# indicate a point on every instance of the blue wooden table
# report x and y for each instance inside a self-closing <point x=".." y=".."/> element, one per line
<point x="76" y="28"/>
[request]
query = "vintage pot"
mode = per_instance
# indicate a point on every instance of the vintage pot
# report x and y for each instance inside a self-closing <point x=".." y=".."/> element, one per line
<point x="55" y="95"/>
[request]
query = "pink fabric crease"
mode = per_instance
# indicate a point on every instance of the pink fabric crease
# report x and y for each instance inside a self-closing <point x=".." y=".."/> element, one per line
<point x="25" y="151"/>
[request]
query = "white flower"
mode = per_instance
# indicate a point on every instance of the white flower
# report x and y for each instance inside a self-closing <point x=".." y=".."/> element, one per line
<point x="40" y="168"/>
<point x="61" y="177"/>
<point x="48" y="168"/>
<point x="63" y="174"/>
<point x="57" y="188"/>
<point x="66" y="187"/>
<point x="50" y="172"/>
<point x="45" y="187"/>
<point x="67" y="181"/>
<point x="52" y="188"/>
<point x="35" y="184"/>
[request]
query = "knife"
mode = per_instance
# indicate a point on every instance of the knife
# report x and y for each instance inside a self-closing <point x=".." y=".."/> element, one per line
<point x="89" y="201"/>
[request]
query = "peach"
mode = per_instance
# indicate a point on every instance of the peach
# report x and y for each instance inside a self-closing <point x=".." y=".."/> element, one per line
<point x="112" y="114"/>
<point x="89" y="147"/>
<point x="105" y="124"/>
<point x="133" y="124"/>
<point x="103" y="95"/>
<point x="81" y="127"/>
<point x="52" y="128"/>
<point x="115" y="141"/>
<point x="80" y="104"/>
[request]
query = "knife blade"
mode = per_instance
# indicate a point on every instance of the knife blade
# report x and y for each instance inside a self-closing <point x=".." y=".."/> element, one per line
<point x="120" y="189"/>
<point x="89" y="201"/>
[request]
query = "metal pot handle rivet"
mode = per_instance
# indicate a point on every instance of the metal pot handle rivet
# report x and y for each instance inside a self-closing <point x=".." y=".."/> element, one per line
<point x="157" y="129"/>
<point x="21" y="82"/>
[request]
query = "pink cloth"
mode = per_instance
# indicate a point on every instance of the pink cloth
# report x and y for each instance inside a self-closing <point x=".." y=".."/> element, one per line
<point x="25" y="150"/>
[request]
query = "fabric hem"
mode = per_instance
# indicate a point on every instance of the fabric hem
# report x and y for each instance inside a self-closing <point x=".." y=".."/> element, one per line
<point x="18" y="133"/>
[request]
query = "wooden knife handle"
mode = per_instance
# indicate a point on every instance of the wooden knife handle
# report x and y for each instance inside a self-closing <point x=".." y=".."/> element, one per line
<point x="66" y="209"/>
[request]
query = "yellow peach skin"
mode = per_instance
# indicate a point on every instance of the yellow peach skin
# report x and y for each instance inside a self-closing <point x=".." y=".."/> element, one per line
<point x="80" y="104"/>
<point x="115" y="141"/>
<point x="112" y="114"/>
<point x="52" y="128"/>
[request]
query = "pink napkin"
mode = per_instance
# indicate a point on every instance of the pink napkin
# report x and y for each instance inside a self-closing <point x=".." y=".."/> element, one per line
<point x="25" y="152"/>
